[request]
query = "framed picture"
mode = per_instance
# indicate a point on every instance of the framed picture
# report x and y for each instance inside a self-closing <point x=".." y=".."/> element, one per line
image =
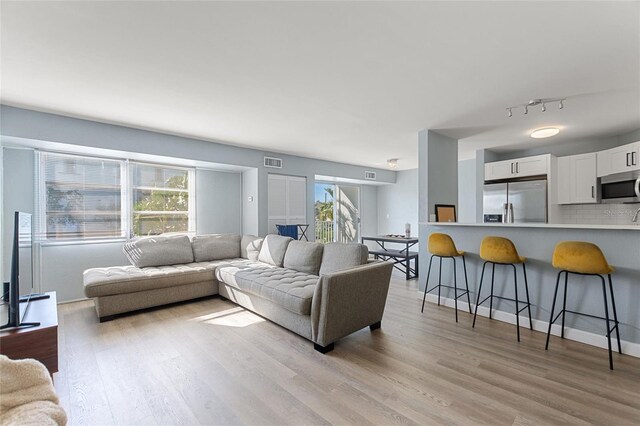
<point x="445" y="213"/>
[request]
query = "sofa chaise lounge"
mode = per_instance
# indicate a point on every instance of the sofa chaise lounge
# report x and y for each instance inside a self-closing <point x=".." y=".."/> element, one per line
<point x="321" y="292"/>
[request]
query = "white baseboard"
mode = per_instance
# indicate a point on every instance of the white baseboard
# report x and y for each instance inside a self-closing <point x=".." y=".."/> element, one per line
<point x="600" y="341"/>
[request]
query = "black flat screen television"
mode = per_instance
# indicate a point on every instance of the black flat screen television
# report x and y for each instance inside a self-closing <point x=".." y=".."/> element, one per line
<point x="21" y="271"/>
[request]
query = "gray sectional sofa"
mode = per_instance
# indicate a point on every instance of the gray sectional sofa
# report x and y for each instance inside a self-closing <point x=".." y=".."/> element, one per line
<point x="321" y="292"/>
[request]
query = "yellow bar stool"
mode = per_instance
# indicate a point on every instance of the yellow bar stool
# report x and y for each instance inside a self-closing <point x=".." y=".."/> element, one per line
<point x="581" y="258"/>
<point x="501" y="251"/>
<point x="443" y="247"/>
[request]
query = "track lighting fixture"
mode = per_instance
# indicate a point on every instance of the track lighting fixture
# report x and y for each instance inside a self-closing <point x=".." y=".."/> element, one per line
<point x="535" y="102"/>
<point x="392" y="163"/>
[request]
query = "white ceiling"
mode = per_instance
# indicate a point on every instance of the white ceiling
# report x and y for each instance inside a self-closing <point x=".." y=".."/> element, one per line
<point x="344" y="81"/>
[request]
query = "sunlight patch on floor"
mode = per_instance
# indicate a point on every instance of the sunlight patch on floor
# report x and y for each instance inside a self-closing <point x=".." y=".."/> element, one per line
<point x="234" y="317"/>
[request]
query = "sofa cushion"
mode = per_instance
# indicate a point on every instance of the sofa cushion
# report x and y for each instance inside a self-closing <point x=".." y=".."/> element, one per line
<point x="158" y="251"/>
<point x="290" y="289"/>
<point x="338" y="256"/>
<point x="129" y="279"/>
<point x="250" y="247"/>
<point x="273" y="249"/>
<point x="303" y="256"/>
<point x="215" y="247"/>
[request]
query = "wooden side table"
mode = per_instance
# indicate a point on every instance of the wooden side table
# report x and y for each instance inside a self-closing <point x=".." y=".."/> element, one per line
<point x="39" y="342"/>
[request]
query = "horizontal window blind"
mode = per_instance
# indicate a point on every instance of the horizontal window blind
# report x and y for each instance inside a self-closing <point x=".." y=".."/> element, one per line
<point x="81" y="197"/>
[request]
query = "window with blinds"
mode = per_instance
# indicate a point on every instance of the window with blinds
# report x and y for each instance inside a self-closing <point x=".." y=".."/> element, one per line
<point x="82" y="197"/>
<point x="162" y="199"/>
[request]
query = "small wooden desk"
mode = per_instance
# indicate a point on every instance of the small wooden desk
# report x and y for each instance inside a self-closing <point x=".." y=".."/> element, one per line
<point x="39" y="342"/>
<point x="401" y="258"/>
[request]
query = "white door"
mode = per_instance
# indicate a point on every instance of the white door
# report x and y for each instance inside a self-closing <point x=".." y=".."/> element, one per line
<point x="287" y="201"/>
<point x="347" y="213"/>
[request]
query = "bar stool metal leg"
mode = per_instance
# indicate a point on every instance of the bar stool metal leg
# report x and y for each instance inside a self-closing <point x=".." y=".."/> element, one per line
<point x="526" y="289"/>
<point x="615" y="314"/>
<point x="493" y="274"/>
<point x="564" y="303"/>
<point x="455" y="287"/>
<point x="439" y="279"/>
<point x="553" y="306"/>
<point x="606" y="315"/>
<point x="515" y="280"/>
<point x="466" y="282"/>
<point x="475" y="314"/>
<point x="426" y="284"/>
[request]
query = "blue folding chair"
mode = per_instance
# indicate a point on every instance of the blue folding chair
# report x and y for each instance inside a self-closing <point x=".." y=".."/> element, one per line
<point x="288" y="231"/>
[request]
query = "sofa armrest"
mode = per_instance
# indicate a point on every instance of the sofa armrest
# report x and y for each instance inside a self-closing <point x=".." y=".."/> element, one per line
<point x="348" y="300"/>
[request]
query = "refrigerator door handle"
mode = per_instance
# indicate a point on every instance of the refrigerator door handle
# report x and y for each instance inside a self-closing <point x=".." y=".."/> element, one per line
<point x="593" y="188"/>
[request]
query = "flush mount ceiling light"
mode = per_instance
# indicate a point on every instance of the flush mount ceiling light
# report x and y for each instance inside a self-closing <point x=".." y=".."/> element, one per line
<point x="546" y="132"/>
<point x="392" y="163"/>
<point x="536" y="102"/>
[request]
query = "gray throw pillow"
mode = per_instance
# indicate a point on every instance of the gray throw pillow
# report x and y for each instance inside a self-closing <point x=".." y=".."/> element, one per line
<point x="250" y="247"/>
<point x="216" y="247"/>
<point x="273" y="249"/>
<point x="159" y="251"/>
<point x="338" y="256"/>
<point x="304" y="257"/>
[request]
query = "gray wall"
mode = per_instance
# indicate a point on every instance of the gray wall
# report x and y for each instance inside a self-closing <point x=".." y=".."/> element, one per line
<point x="62" y="265"/>
<point x="218" y="202"/>
<point x="438" y="172"/>
<point x="22" y="123"/>
<point x="467" y="191"/>
<point x="398" y="204"/>
<point x="17" y="195"/>
<point x="368" y="210"/>
<point x="250" y="210"/>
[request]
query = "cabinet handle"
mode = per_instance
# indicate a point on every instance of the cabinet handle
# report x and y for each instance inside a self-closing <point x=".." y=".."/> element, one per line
<point x="518" y="167"/>
<point x="511" y="168"/>
<point x="593" y="189"/>
<point x="633" y="159"/>
<point x="628" y="159"/>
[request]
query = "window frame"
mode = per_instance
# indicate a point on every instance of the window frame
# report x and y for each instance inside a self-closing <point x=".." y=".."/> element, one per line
<point x="126" y="199"/>
<point x="191" y="209"/>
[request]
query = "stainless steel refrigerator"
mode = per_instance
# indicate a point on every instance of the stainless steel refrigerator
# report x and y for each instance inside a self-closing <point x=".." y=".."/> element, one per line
<point x="516" y="202"/>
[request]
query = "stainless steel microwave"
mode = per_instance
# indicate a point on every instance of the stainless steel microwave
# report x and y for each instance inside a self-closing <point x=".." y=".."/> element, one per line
<point x="621" y="188"/>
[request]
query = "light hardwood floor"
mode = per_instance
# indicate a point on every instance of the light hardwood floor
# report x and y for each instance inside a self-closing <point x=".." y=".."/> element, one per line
<point x="211" y="362"/>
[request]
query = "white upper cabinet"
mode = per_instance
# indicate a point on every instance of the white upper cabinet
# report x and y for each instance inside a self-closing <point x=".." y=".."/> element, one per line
<point x="624" y="158"/>
<point x="520" y="167"/>
<point x="577" y="179"/>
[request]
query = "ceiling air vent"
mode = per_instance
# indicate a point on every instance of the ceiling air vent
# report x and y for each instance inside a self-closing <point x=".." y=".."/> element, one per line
<point x="272" y="162"/>
<point x="370" y="175"/>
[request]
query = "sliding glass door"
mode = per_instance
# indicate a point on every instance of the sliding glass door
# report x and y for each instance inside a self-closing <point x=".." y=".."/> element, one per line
<point x="337" y="212"/>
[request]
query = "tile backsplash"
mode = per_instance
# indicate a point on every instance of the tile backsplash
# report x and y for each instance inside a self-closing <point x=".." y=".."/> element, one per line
<point x="599" y="214"/>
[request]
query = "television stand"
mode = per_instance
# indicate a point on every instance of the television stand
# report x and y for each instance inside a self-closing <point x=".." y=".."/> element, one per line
<point x="39" y="342"/>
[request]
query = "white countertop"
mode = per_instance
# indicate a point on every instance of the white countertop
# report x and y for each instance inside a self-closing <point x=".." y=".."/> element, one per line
<point x="538" y="225"/>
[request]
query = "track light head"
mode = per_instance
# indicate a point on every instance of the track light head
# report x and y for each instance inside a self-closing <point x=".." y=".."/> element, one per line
<point x="560" y="104"/>
<point x="544" y="107"/>
<point x="509" y="113"/>
<point x="526" y="109"/>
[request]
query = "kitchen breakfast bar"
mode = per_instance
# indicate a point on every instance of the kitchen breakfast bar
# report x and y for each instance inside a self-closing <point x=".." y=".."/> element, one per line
<point x="536" y="242"/>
